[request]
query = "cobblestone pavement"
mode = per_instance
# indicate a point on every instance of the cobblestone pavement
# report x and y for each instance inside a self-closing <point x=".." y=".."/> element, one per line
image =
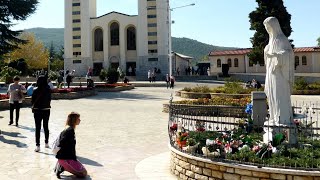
<point x="117" y="131"/>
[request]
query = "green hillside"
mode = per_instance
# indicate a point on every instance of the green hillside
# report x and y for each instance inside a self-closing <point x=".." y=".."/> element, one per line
<point x="184" y="46"/>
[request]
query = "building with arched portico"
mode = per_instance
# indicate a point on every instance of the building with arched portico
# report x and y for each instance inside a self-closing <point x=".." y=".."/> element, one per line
<point x="136" y="43"/>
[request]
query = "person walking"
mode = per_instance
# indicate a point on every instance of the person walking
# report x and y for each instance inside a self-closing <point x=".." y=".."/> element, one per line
<point x="69" y="78"/>
<point x="41" y="100"/>
<point x="168" y="81"/>
<point x="67" y="158"/>
<point x="172" y="80"/>
<point x="149" y="76"/>
<point x="16" y="97"/>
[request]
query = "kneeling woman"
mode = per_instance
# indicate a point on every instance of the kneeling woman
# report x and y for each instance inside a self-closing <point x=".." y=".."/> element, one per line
<point x="67" y="159"/>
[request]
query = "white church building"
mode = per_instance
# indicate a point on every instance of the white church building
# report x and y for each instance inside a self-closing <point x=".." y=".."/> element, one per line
<point x="136" y="42"/>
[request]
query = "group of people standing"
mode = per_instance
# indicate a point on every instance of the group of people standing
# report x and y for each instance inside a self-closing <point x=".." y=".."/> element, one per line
<point x="41" y="107"/>
<point x="170" y="81"/>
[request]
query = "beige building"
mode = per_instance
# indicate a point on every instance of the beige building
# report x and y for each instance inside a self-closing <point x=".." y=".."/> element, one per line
<point x="180" y="63"/>
<point x="307" y="60"/>
<point x="136" y="42"/>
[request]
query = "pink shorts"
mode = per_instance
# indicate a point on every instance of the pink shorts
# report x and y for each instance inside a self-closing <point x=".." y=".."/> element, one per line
<point x="74" y="167"/>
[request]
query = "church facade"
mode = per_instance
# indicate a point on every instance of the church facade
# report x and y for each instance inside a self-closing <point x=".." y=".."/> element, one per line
<point x="135" y="43"/>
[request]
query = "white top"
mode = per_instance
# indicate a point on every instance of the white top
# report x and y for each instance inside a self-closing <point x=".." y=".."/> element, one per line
<point x="50" y="85"/>
<point x="15" y="91"/>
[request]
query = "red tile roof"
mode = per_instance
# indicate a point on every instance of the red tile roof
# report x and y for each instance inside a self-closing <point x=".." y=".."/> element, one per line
<point x="246" y="51"/>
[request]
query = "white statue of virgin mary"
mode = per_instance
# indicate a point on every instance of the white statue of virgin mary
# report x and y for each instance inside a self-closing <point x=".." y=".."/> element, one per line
<point x="279" y="60"/>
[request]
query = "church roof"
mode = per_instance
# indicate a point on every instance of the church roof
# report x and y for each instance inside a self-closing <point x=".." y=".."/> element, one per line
<point x="247" y="50"/>
<point x="114" y="12"/>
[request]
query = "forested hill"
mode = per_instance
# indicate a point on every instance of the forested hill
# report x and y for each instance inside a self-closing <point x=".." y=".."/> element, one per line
<point x="184" y="46"/>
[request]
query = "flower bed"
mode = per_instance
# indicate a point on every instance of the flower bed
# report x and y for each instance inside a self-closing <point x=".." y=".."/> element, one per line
<point x="4" y="96"/>
<point x="69" y="90"/>
<point x="113" y="87"/>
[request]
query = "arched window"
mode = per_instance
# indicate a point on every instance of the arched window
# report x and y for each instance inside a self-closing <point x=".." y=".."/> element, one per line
<point x="296" y="61"/>
<point x="98" y="40"/>
<point x="219" y="63"/>
<point x="304" y="60"/>
<point x="229" y="62"/>
<point x="114" y="34"/>
<point x="131" y="38"/>
<point x="236" y="62"/>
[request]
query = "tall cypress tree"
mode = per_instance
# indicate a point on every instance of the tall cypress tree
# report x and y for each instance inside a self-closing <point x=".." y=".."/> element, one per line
<point x="318" y="41"/>
<point x="11" y="10"/>
<point x="267" y="8"/>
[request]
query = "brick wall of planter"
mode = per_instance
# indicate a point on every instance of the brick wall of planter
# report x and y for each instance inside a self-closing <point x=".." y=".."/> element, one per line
<point x="4" y="104"/>
<point x="188" y="167"/>
<point x="115" y="89"/>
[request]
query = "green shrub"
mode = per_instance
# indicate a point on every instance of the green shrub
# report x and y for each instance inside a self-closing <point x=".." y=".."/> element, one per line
<point x="112" y="76"/>
<point x="103" y="75"/>
<point x="8" y="73"/>
<point x="201" y="89"/>
<point x="53" y="75"/>
<point x="300" y="84"/>
<point x="187" y="89"/>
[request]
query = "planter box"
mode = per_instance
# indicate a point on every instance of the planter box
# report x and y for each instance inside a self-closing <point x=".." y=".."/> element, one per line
<point x="306" y="92"/>
<point x="234" y="96"/>
<point x="194" y="95"/>
<point x="115" y="89"/>
<point x="203" y="110"/>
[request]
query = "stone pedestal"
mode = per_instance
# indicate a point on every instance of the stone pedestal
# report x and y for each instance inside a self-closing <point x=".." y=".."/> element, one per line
<point x="259" y="107"/>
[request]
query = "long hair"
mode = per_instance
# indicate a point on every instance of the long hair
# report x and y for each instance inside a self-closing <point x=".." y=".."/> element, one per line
<point x="277" y="40"/>
<point x="42" y="82"/>
<point x="72" y="119"/>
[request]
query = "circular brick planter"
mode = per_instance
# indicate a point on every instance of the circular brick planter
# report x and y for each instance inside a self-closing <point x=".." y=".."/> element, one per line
<point x="4" y="104"/>
<point x="115" y="89"/>
<point x="188" y="167"/>
<point x="218" y="110"/>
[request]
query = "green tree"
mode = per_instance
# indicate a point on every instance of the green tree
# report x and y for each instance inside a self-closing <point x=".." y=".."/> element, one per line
<point x="52" y="52"/>
<point x="266" y="8"/>
<point x="318" y="41"/>
<point x="13" y="10"/>
<point x="8" y="73"/>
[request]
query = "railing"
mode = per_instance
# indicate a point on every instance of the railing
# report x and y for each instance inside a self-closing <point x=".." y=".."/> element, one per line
<point x="295" y="145"/>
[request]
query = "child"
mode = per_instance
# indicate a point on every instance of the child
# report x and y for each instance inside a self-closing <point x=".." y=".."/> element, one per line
<point x="67" y="159"/>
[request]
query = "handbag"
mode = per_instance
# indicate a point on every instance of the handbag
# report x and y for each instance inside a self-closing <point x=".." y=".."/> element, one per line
<point x="55" y="146"/>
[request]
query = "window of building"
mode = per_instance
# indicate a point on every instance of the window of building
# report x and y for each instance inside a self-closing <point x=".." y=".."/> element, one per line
<point x="152" y="42"/>
<point x="236" y="62"/>
<point x="76" y="20"/>
<point x="304" y="60"/>
<point x="131" y="38"/>
<point x="152" y="33"/>
<point x="152" y="25"/>
<point x="153" y="51"/>
<point x="98" y="40"/>
<point x="76" y="45"/>
<point x="76" y="61"/>
<point x="152" y="16"/>
<point x="114" y="33"/>
<point x="75" y="12"/>
<point x="229" y="62"/>
<point x="75" y="4"/>
<point x="219" y="63"/>
<point x="76" y="29"/>
<point x="76" y="37"/>
<point x="296" y="61"/>
<point x="77" y="53"/>
<point x="152" y="59"/>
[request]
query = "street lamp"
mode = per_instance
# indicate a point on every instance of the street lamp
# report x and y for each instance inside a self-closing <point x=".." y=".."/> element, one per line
<point x="170" y="38"/>
<point x="169" y="22"/>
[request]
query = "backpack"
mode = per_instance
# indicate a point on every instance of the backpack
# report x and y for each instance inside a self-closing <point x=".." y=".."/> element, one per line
<point x="55" y="146"/>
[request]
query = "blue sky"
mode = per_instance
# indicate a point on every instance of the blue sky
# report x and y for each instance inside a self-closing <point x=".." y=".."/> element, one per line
<point x="216" y="22"/>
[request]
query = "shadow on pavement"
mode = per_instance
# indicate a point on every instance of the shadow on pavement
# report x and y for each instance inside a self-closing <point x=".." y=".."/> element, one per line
<point x="122" y="95"/>
<point x="12" y="134"/>
<point x="88" y="161"/>
<point x="27" y="128"/>
<point x="13" y="142"/>
<point x="73" y="177"/>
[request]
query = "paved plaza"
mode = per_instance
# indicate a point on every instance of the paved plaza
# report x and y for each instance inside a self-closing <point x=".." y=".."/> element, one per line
<point x="122" y="135"/>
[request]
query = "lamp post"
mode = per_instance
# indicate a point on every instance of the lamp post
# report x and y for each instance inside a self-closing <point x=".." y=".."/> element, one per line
<point x="170" y="38"/>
